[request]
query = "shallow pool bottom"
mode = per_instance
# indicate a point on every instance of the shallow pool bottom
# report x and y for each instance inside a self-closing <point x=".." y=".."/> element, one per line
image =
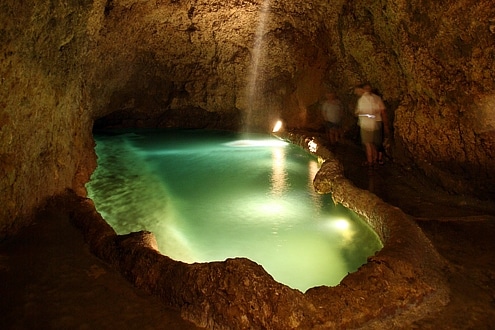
<point x="402" y="283"/>
<point x="209" y="196"/>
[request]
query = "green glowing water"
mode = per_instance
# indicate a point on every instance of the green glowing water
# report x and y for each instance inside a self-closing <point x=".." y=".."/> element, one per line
<point x="210" y="195"/>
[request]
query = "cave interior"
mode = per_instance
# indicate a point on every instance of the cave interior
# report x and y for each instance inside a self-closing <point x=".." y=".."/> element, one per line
<point x="69" y="67"/>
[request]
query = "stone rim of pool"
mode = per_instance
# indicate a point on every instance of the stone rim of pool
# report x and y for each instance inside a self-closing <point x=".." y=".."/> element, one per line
<point x="209" y="195"/>
<point x="399" y="284"/>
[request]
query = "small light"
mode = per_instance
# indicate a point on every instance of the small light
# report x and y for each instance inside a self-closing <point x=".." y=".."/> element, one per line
<point x="312" y="146"/>
<point x="277" y="126"/>
<point x="256" y="143"/>
<point x="341" y="224"/>
<point x="271" y="208"/>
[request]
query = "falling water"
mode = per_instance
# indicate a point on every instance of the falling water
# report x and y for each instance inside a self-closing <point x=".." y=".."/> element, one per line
<point x="253" y="86"/>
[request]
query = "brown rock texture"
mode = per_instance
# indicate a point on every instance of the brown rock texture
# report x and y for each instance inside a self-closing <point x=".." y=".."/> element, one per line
<point x="238" y="59"/>
<point x="239" y="64"/>
<point x="45" y="127"/>
<point x="399" y="285"/>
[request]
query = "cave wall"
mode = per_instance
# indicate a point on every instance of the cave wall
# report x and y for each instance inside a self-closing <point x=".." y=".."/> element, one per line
<point x="45" y="127"/>
<point x="175" y="63"/>
<point x="189" y="63"/>
<point x="156" y="61"/>
<point x="434" y="65"/>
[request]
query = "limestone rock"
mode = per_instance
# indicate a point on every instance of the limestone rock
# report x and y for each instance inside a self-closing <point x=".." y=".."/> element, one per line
<point x="239" y="64"/>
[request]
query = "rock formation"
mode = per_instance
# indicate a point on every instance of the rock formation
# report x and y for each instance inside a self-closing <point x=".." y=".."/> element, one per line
<point x="190" y="64"/>
<point x="239" y="64"/>
<point x="45" y="118"/>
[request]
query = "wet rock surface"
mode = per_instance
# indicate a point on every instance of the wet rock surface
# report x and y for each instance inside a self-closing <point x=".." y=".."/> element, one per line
<point x="50" y="280"/>
<point x="187" y="64"/>
<point x="252" y="64"/>
<point x="394" y="290"/>
<point x="396" y="286"/>
<point x="461" y="228"/>
<point x="400" y="283"/>
<point x="191" y="64"/>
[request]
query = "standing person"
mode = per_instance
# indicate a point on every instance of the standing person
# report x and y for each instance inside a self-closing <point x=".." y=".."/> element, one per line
<point x="381" y="118"/>
<point x="332" y="113"/>
<point x="366" y="110"/>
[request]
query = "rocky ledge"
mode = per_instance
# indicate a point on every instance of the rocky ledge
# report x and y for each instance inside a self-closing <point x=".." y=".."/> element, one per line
<point x="400" y="284"/>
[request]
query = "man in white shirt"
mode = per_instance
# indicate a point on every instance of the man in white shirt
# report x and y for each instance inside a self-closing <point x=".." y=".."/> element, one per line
<point x="331" y="109"/>
<point x="367" y="110"/>
<point x="382" y="129"/>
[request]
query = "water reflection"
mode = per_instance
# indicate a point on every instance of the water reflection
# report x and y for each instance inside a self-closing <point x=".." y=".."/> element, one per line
<point x="278" y="179"/>
<point x="219" y="197"/>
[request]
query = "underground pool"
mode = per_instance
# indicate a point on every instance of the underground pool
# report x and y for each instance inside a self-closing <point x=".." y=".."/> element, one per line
<point x="212" y="195"/>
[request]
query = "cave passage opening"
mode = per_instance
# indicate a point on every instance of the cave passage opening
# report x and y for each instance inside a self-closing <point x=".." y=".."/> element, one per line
<point x="212" y="195"/>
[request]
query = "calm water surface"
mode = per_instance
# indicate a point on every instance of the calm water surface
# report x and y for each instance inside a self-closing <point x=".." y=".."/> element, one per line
<point x="212" y="195"/>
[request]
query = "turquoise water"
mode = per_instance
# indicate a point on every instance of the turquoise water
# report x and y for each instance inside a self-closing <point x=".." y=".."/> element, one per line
<point x="212" y="195"/>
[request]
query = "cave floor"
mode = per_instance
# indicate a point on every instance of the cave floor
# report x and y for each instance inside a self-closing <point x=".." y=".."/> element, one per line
<point x="462" y="230"/>
<point x="49" y="279"/>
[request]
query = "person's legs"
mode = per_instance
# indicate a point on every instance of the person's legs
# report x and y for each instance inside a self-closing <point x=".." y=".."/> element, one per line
<point x="370" y="153"/>
<point x="332" y="132"/>
<point x="367" y="138"/>
<point x="337" y="131"/>
<point x="380" y="157"/>
<point x="333" y="135"/>
<point x="374" y="153"/>
<point x="328" y="132"/>
<point x="379" y="142"/>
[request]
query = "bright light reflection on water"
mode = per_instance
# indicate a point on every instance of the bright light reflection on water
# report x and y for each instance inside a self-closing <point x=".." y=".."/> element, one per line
<point x="210" y="195"/>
